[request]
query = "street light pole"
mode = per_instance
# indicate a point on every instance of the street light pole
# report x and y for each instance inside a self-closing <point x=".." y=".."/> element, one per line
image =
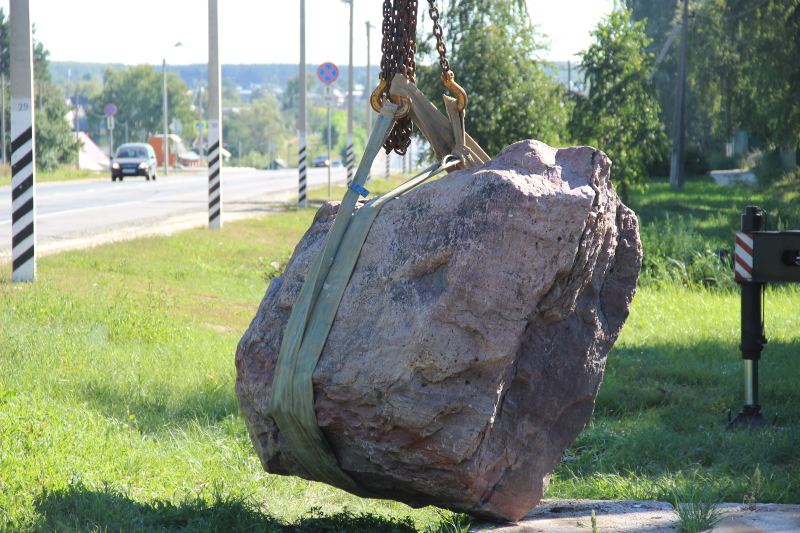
<point x="165" y="143"/>
<point x="350" y="154"/>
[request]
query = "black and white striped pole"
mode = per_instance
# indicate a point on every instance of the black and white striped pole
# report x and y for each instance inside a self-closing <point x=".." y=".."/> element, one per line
<point x="301" y="155"/>
<point x="388" y="165"/>
<point x="350" y="155"/>
<point x="214" y="120"/>
<point x="23" y="144"/>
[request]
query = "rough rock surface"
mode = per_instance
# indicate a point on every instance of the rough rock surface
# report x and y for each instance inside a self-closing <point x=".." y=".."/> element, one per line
<point x="470" y="343"/>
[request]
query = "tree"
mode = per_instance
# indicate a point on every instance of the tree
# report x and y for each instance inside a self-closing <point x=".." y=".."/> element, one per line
<point x="258" y="126"/>
<point x="55" y="144"/>
<point x="138" y="94"/>
<point x="620" y="113"/>
<point x="492" y="48"/>
<point x="745" y="61"/>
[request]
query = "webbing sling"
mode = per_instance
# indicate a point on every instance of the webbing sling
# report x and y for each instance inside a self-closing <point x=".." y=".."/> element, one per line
<point x="292" y="394"/>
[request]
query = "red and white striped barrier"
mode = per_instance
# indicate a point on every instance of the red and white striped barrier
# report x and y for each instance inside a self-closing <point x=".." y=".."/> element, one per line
<point x="743" y="265"/>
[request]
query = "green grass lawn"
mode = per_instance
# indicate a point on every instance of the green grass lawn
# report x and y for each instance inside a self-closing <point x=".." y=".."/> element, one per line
<point x="117" y="409"/>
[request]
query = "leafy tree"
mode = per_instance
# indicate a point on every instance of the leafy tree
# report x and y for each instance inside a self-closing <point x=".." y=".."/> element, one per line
<point x="230" y="93"/>
<point x="258" y="126"/>
<point x="492" y="49"/>
<point x="745" y="61"/>
<point x="620" y="113"/>
<point x="55" y="144"/>
<point x="138" y="94"/>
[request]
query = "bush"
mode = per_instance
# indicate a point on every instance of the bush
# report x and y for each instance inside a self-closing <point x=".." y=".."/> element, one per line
<point x="726" y="162"/>
<point x="674" y="253"/>
<point x="695" y="161"/>
<point x="768" y="168"/>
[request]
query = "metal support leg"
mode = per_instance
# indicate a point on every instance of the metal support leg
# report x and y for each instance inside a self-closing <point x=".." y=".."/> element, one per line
<point x="753" y="339"/>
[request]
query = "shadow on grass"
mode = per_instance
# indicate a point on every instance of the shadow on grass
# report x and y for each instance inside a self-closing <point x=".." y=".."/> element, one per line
<point x="78" y="508"/>
<point x="156" y="411"/>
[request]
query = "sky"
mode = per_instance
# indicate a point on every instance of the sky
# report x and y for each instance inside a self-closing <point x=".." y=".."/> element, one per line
<point x="255" y="31"/>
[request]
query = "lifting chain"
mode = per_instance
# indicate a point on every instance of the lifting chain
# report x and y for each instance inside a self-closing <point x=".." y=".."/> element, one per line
<point x="447" y="76"/>
<point x="399" y="45"/>
<point x="437" y="32"/>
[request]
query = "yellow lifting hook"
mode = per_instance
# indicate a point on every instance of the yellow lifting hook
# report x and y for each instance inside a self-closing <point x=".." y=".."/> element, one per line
<point x="448" y="79"/>
<point x="376" y="100"/>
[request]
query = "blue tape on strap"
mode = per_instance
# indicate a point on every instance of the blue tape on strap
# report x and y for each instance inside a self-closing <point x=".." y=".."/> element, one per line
<point x="359" y="189"/>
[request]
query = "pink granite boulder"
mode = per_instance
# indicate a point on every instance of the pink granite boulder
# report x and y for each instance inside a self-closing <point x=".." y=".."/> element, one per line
<point x="471" y="340"/>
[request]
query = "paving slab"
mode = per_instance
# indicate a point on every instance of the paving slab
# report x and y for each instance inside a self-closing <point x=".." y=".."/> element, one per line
<point x="629" y="516"/>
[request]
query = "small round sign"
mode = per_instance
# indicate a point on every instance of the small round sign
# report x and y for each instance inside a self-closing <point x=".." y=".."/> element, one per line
<point x="110" y="110"/>
<point x="327" y="72"/>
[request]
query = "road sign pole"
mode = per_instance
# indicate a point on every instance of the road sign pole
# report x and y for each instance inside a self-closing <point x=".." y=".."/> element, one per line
<point x="214" y="120"/>
<point x="111" y="126"/>
<point x="23" y="144"/>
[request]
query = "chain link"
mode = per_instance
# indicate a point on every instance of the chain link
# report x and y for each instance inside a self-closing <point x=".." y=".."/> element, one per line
<point x="437" y="32"/>
<point x="399" y="45"/>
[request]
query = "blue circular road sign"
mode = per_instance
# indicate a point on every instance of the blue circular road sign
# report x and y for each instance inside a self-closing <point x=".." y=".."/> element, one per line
<point x="110" y="110"/>
<point x="327" y="72"/>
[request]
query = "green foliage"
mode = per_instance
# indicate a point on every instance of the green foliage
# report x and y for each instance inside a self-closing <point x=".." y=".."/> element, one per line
<point x="55" y="144"/>
<point x="745" y="61"/>
<point x="258" y="126"/>
<point x="491" y="48"/>
<point x="620" y="113"/>
<point x="138" y="94"/>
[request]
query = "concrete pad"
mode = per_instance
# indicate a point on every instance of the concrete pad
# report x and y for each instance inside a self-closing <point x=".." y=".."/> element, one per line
<point x="734" y="177"/>
<point x="574" y="516"/>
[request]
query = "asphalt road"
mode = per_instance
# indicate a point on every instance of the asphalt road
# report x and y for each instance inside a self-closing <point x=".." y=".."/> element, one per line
<point x="81" y="213"/>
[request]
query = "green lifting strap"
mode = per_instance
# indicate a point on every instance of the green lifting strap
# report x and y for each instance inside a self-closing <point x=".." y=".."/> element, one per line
<point x="292" y="394"/>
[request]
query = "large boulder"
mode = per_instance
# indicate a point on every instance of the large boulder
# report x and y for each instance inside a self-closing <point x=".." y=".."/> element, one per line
<point x="471" y="340"/>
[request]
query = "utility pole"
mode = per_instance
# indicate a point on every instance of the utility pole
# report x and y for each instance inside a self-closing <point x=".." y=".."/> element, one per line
<point x="165" y="143"/>
<point x="350" y="155"/>
<point x="301" y="159"/>
<point x="569" y="77"/>
<point x="23" y="144"/>
<point x="679" y="117"/>
<point x="3" y="118"/>
<point x="368" y="89"/>
<point x="214" y="120"/>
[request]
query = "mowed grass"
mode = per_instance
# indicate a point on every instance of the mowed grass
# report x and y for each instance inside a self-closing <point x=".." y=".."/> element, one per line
<point x="659" y="422"/>
<point x="117" y="408"/>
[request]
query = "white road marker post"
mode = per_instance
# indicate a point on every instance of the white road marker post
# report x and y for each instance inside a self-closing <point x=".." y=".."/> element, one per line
<point x="351" y="158"/>
<point x="214" y="120"/>
<point x="301" y="154"/>
<point x="23" y="144"/>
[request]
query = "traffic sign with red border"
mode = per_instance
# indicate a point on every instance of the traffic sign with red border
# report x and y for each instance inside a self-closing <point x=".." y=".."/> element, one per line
<point x="110" y="110"/>
<point x="327" y="72"/>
